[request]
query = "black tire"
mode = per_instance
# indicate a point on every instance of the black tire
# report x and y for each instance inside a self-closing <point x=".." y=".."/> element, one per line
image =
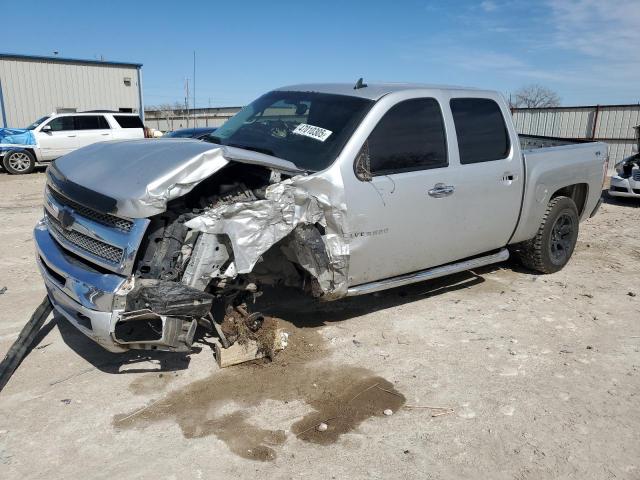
<point x="552" y="247"/>
<point x="19" y="162"/>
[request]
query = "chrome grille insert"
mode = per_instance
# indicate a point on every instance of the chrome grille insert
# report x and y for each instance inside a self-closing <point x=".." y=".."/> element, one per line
<point x="103" y="218"/>
<point x="95" y="247"/>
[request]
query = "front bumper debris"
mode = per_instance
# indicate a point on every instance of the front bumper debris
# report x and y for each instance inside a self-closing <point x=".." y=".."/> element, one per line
<point x="95" y="302"/>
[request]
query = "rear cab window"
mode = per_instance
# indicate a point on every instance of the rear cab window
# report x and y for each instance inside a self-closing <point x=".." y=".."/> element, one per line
<point x="481" y="130"/>
<point x="128" y="121"/>
<point x="409" y="137"/>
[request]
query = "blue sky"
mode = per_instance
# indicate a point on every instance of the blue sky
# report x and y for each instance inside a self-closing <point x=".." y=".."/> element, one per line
<point x="586" y="50"/>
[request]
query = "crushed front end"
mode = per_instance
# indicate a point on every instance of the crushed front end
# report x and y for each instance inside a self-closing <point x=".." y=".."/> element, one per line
<point x="86" y="259"/>
<point x="142" y="269"/>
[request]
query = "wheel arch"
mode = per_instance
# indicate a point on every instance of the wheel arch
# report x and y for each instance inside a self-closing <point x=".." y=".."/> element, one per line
<point x="578" y="192"/>
<point x="22" y="149"/>
<point x="9" y="152"/>
<point x="536" y="201"/>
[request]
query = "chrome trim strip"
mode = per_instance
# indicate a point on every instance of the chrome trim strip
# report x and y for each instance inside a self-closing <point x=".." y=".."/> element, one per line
<point x="128" y="242"/>
<point x="112" y="221"/>
<point x="100" y="321"/>
<point x="91" y="289"/>
<point x="428" y="274"/>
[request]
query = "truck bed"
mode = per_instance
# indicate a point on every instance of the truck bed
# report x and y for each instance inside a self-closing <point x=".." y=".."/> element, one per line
<point x="532" y="142"/>
<point x="549" y="168"/>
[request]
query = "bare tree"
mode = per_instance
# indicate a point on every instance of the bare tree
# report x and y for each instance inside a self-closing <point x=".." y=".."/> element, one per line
<point x="534" y="96"/>
<point x="169" y="111"/>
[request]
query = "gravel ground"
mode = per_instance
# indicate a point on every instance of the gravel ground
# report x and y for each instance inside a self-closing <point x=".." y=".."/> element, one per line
<point x="541" y="373"/>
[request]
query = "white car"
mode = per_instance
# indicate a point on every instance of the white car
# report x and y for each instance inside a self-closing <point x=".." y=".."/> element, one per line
<point x="626" y="181"/>
<point x="57" y="134"/>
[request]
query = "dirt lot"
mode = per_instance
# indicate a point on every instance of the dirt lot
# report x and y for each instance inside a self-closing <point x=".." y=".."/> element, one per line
<point x="542" y="374"/>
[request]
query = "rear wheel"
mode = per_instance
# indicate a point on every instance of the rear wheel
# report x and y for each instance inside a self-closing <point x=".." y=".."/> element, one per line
<point x="19" y="162"/>
<point x="552" y="247"/>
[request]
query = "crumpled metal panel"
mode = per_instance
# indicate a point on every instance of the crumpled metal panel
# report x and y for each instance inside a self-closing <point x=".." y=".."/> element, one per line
<point x="254" y="227"/>
<point x="207" y="259"/>
<point x="143" y="175"/>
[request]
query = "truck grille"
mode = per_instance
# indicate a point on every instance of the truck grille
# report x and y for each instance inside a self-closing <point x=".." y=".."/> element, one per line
<point x="95" y="247"/>
<point x="103" y="218"/>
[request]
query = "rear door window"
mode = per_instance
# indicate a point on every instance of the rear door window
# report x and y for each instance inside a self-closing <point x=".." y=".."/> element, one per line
<point x="129" y="121"/>
<point x="91" y="122"/>
<point x="409" y="137"/>
<point x="61" y="124"/>
<point x="482" y="133"/>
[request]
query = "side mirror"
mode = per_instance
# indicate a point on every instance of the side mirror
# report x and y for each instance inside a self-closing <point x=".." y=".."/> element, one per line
<point x="46" y="128"/>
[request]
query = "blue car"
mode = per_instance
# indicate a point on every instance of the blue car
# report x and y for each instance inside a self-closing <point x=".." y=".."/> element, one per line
<point x="197" y="133"/>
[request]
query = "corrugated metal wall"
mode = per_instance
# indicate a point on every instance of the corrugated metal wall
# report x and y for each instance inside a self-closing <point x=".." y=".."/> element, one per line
<point x="32" y="88"/>
<point x="613" y="124"/>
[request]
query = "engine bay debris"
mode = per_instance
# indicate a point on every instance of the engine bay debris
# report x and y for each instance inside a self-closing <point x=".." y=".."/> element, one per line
<point x="251" y="336"/>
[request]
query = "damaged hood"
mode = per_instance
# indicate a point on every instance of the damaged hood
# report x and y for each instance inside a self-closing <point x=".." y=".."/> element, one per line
<point x="136" y="178"/>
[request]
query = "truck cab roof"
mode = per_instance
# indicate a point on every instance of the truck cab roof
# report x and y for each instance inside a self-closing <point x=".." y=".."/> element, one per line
<point x="372" y="91"/>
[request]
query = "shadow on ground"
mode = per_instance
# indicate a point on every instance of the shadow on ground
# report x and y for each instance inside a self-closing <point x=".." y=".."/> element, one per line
<point x="287" y="304"/>
<point x="133" y="361"/>
<point x="291" y="305"/>
<point x="622" y="201"/>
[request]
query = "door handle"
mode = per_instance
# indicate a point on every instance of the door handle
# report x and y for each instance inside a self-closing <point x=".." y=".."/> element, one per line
<point x="440" y="190"/>
<point x="508" y="177"/>
<point x="70" y="136"/>
<point x="104" y="134"/>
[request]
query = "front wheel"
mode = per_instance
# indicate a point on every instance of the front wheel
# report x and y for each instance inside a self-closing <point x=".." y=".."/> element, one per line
<point x="18" y="162"/>
<point x="552" y="247"/>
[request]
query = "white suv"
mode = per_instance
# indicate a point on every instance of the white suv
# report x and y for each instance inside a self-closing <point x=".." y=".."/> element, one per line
<point x="57" y="134"/>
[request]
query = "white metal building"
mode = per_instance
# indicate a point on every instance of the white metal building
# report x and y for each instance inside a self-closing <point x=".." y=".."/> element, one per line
<point x="612" y="124"/>
<point x="33" y="86"/>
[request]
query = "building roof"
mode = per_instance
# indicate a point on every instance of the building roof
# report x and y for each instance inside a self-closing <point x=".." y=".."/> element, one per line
<point x="577" y="107"/>
<point x="373" y="91"/>
<point x="17" y="56"/>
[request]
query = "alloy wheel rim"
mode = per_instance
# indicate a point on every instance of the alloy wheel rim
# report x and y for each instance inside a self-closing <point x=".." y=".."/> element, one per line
<point x="561" y="238"/>
<point x="19" y="161"/>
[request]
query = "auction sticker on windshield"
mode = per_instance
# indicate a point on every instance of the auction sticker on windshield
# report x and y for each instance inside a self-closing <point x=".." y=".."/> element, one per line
<point x="311" y="131"/>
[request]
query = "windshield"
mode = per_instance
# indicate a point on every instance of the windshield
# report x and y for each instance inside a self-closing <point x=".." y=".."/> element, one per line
<point x="308" y="129"/>
<point x="35" y="124"/>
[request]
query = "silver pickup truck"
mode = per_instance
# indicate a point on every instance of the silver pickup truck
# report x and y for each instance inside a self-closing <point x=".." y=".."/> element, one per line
<point x="335" y="189"/>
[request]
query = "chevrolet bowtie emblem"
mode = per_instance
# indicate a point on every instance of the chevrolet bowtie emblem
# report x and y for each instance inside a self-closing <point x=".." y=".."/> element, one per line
<point x="65" y="217"/>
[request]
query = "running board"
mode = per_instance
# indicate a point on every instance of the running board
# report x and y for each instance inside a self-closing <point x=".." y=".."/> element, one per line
<point x="428" y="274"/>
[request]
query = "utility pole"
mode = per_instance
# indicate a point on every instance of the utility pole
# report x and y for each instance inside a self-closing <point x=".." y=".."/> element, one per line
<point x="186" y="100"/>
<point x="194" y="89"/>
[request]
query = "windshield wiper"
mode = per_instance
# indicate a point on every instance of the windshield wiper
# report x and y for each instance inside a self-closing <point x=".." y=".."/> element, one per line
<point x="266" y="151"/>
